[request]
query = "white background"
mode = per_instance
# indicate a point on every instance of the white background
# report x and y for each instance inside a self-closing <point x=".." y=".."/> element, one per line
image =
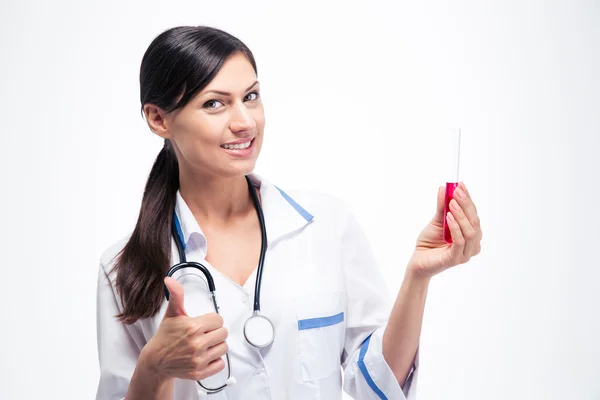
<point x="356" y="96"/>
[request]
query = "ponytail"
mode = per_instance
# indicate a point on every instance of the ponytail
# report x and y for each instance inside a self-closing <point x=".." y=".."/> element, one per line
<point x="177" y="65"/>
<point x="144" y="260"/>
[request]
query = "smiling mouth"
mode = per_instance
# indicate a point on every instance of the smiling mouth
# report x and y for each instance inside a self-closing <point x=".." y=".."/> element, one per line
<point x="239" y="146"/>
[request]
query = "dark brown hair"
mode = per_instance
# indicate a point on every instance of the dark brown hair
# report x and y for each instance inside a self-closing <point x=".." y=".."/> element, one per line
<point x="177" y="65"/>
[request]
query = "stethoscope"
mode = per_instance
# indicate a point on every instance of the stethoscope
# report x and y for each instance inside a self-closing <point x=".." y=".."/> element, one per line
<point x="258" y="329"/>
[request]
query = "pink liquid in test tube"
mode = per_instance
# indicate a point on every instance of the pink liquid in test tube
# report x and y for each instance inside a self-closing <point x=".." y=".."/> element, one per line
<point x="453" y="184"/>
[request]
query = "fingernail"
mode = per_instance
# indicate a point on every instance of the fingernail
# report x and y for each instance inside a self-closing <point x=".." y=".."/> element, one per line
<point x="450" y="217"/>
<point x="458" y="193"/>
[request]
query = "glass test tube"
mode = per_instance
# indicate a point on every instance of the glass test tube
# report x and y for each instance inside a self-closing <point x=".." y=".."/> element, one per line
<point x="452" y="177"/>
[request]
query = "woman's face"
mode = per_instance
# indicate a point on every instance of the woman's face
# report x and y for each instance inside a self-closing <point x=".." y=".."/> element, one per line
<point x="228" y="110"/>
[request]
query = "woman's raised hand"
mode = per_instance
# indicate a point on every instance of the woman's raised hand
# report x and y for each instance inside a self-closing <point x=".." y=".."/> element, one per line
<point x="186" y="347"/>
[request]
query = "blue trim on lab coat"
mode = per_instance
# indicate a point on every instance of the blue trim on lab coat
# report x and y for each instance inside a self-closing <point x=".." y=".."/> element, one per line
<point x="179" y="231"/>
<point x="312" y="323"/>
<point x="305" y="214"/>
<point x="365" y="371"/>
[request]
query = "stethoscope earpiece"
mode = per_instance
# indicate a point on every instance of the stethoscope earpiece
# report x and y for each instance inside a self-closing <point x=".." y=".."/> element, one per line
<point x="231" y="381"/>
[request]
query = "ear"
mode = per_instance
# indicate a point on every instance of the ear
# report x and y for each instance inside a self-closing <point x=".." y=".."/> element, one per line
<point x="157" y="121"/>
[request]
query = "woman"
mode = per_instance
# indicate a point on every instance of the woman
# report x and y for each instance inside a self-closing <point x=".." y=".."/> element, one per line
<point x="321" y="288"/>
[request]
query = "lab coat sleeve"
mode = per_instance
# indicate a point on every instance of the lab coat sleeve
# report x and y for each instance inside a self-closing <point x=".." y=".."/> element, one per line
<point x="118" y="352"/>
<point x="366" y="373"/>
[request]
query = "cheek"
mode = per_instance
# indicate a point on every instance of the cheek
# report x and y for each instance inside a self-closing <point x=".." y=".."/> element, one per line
<point x="259" y="119"/>
<point x="205" y="129"/>
<point x="199" y="137"/>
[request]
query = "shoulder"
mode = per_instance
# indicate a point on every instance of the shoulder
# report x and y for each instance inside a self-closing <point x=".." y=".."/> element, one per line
<point x="107" y="275"/>
<point x="325" y="207"/>
<point x="110" y="255"/>
<point x="317" y="200"/>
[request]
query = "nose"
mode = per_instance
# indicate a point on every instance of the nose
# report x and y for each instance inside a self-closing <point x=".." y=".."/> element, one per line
<point x="241" y="119"/>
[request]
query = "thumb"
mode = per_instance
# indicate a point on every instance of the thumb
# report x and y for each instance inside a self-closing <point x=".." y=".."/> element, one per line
<point x="175" y="307"/>
<point x="441" y="198"/>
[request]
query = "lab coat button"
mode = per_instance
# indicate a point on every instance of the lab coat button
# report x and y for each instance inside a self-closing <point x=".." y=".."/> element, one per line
<point x="244" y="299"/>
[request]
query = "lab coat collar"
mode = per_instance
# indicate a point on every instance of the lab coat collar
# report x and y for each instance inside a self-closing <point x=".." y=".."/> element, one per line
<point x="283" y="215"/>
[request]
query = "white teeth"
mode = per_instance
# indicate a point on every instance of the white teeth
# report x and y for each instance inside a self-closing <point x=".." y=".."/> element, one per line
<point x="240" y="146"/>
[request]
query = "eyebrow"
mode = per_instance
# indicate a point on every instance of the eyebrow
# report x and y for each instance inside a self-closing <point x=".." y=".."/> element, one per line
<point x="227" y="93"/>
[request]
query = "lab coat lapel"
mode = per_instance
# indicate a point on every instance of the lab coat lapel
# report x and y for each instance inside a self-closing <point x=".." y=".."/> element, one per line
<point x="283" y="216"/>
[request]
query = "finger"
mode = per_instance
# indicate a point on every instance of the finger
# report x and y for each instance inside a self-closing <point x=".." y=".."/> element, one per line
<point x="215" y="337"/>
<point x="458" y="241"/>
<point x="476" y="222"/>
<point x="208" y="322"/>
<point x="462" y="186"/>
<point x="439" y="213"/>
<point x="215" y="352"/>
<point x="211" y="369"/>
<point x="469" y="233"/>
<point x="467" y="206"/>
<point x="175" y="307"/>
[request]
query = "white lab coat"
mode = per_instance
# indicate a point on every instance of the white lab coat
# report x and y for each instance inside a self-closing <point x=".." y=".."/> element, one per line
<point x="321" y="289"/>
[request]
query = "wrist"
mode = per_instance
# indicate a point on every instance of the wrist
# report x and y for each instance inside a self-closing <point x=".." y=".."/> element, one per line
<point x="147" y="381"/>
<point x="416" y="276"/>
<point x="149" y="366"/>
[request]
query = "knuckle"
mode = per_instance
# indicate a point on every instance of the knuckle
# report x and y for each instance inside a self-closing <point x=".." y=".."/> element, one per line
<point x="211" y="321"/>
<point x="218" y="365"/>
<point x="199" y="363"/>
<point x="191" y="327"/>
<point x="200" y="375"/>
<point x="204" y="360"/>
<point x="201" y="343"/>
<point x="223" y="333"/>
<point x="198" y="343"/>
<point x="216" y="353"/>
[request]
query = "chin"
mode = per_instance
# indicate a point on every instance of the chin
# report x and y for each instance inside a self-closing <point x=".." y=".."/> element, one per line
<point x="243" y="168"/>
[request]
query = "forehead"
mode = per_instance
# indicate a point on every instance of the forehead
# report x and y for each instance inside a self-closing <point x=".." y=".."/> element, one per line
<point x="235" y="75"/>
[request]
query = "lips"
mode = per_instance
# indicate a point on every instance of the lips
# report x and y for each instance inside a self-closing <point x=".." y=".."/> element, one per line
<point x="239" y="152"/>
<point x="240" y="146"/>
<point x="239" y="141"/>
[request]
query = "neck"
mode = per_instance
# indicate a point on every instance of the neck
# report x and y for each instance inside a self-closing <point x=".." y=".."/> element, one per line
<point x="215" y="199"/>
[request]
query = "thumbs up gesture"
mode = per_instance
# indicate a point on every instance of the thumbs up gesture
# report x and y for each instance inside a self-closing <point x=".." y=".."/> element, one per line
<point x="186" y="347"/>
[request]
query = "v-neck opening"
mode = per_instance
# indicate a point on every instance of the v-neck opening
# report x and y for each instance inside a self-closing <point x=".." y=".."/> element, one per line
<point x="251" y="278"/>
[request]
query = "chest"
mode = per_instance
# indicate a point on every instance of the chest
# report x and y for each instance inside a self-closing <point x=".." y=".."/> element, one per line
<point x="234" y="251"/>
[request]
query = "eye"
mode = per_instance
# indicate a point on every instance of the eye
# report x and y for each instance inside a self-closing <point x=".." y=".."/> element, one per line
<point x="252" y="96"/>
<point x="212" y="104"/>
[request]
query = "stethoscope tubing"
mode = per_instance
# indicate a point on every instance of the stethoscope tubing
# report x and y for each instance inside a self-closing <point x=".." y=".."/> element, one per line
<point x="183" y="263"/>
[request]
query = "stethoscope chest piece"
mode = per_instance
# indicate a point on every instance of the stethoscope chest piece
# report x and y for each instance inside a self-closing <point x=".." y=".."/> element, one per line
<point x="259" y="331"/>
